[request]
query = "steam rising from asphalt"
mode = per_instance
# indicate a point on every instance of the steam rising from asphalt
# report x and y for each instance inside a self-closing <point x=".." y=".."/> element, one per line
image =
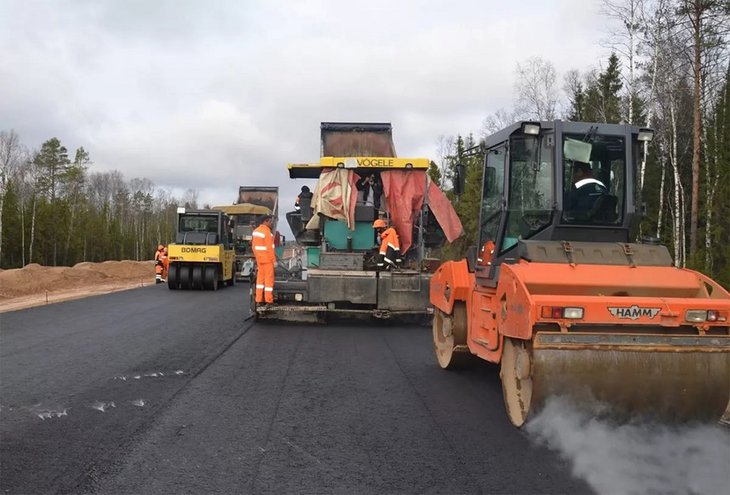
<point x="636" y="458"/>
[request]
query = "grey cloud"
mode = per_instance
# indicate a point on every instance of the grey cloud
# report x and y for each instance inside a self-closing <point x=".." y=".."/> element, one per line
<point x="212" y="95"/>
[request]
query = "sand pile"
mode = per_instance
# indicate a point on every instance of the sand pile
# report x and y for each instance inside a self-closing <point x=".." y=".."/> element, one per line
<point x="36" y="279"/>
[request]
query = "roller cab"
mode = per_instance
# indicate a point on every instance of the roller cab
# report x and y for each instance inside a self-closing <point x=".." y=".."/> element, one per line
<point x="560" y="297"/>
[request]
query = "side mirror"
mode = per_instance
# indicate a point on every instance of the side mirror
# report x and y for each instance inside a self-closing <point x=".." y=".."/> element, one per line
<point x="459" y="179"/>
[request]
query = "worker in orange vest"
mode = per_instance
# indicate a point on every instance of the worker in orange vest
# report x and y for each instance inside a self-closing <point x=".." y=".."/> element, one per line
<point x="389" y="254"/>
<point x="159" y="264"/>
<point x="165" y="263"/>
<point x="262" y="243"/>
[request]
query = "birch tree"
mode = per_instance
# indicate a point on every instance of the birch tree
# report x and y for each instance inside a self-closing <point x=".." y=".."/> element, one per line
<point x="705" y="24"/>
<point x="536" y="93"/>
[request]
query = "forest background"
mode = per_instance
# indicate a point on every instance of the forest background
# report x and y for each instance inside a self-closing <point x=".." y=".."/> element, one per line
<point x="669" y="70"/>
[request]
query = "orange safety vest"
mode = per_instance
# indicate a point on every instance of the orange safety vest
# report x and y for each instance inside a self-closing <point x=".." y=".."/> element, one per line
<point x="262" y="244"/>
<point x="158" y="262"/>
<point x="390" y="246"/>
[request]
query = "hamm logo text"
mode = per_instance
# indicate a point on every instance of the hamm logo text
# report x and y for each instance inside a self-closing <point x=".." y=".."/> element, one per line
<point x="634" y="312"/>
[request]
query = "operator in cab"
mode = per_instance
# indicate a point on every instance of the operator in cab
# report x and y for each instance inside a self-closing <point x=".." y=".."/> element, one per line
<point x="389" y="254"/>
<point x="262" y="243"/>
<point x="585" y="190"/>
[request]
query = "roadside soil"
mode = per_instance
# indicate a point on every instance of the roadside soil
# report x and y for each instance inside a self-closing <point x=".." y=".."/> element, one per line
<point x="35" y="285"/>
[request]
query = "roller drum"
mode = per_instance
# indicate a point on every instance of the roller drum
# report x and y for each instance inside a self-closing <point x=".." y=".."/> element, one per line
<point x="670" y="378"/>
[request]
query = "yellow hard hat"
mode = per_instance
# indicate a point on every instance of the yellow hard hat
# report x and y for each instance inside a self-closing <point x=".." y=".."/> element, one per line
<point x="379" y="224"/>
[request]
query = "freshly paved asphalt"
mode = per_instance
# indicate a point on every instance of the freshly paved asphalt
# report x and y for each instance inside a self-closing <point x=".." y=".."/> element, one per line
<point x="158" y="391"/>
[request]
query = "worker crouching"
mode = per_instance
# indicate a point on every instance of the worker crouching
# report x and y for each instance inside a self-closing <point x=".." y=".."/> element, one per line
<point x="389" y="253"/>
<point x="262" y="243"/>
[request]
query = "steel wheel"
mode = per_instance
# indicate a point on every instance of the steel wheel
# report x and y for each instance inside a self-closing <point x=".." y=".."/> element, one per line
<point x="516" y="375"/>
<point x="449" y="337"/>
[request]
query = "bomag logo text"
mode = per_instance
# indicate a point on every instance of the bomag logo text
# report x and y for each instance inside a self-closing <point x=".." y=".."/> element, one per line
<point x="634" y="312"/>
<point x="200" y="250"/>
<point x="377" y="162"/>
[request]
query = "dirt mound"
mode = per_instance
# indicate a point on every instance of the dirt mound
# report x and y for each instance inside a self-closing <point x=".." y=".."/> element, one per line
<point x="36" y="279"/>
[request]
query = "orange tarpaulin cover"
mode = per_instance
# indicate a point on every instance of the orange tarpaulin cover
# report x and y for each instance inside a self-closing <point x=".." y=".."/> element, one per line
<point x="335" y="196"/>
<point x="404" y="194"/>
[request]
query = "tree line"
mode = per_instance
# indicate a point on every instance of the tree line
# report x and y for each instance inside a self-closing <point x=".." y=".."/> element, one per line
<point x="55" y="211"/>
<point x="669" y="70"/>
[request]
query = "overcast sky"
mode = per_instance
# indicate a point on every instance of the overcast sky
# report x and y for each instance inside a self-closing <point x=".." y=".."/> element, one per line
<point x="212" y="94"/>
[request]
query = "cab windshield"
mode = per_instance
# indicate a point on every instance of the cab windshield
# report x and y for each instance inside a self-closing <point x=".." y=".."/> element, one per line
<point x="199" y="223"/>
<point x="594" y="177"/>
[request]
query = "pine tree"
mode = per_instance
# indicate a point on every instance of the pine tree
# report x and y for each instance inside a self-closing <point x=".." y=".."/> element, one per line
<point x="602" y="99"/>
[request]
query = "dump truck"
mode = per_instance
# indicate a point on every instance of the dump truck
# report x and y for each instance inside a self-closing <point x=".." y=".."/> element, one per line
<point x="252" y="204"/>
<point x="563" y="298"/>
<point x="333" y="268"/>
<point x="202" y="256"/>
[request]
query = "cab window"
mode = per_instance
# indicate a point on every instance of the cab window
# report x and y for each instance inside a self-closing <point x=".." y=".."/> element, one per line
<point x="530" y="204"/>
<point x="492" y="194"/>
<point x="594" y="179"/>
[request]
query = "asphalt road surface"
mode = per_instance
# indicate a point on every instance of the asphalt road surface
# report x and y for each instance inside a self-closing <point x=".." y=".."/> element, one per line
<point x="158" y="391"/>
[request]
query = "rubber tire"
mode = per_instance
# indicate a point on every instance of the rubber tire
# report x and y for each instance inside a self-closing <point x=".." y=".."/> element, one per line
<point x="185" y="277"/>
<point x="210" y="277"/>
<point x="173" y="277"/>
<point x="197" y="277"/>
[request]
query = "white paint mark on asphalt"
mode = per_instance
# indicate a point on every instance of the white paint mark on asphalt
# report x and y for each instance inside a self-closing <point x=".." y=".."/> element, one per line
<point x="102" y="406"/>
<point x="48" y="414"/>
<point x="138" y="402"/>
<point x="155" y="374"/>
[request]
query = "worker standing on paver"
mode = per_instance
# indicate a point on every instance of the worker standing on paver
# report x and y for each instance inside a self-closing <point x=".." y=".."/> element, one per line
<point x="262" y="242"/>
<point x="389" y="254"/>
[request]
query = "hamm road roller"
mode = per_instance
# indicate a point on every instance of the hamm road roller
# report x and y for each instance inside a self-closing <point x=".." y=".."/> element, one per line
<point x="558" y="294"/>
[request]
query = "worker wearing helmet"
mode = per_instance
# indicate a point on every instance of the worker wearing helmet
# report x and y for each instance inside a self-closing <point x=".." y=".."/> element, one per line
<point x="389" y="254"/>
<point x="262" y="243"/>
<point x="158" y="264"/>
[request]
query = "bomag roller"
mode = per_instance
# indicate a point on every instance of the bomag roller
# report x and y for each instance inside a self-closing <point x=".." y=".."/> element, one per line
<point x="559" y="295"/>
<point x="202" y="256"/>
